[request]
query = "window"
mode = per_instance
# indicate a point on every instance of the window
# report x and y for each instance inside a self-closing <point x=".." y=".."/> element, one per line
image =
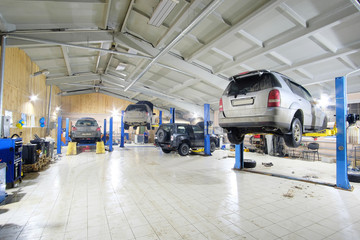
<point x="136" y="107"/>
<point x="181" y="129"/>
<point x="252" y="83"/>
<point x="86" y="123"/>
<point x="197" y="129"/>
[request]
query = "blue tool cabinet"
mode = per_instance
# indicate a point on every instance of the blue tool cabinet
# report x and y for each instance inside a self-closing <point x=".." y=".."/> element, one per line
<point x="11" y="154"/>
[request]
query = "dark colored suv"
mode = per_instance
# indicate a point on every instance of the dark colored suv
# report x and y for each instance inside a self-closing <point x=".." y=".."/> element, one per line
<point x="181" y="137"/>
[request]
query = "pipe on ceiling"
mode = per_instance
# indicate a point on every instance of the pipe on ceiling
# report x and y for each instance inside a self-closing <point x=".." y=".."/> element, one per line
<point x="76" y="46"/>
<point x="208" y="10"/>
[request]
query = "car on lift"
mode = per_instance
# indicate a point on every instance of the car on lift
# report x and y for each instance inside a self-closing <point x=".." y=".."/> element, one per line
<point x="85" y="130"/>
<point x="139" y="114"/>
<point x="181" y="137"/>
<point x="265" y="101"/>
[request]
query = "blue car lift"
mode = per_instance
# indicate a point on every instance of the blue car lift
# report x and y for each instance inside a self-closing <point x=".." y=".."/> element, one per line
<point x="172" y="113"/>
<point x="160" y="118"/>
<point x="207" y="151"/>
<point x="67" y="129"/>
<point x="342" y="180"/>
<point x="122" y="129"/>
<point x="59" y="129"/>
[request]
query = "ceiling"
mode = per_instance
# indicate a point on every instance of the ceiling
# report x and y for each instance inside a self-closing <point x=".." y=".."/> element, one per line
<point x="186" y="60"/>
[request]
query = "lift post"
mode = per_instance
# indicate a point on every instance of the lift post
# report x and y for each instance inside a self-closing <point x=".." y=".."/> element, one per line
<point x="67" y="138"/>
<point x="104" y="137"/>
<point x="206" y="129"/>
<point x="342" y="180"/>
<point x="111" y="135"/>
<point x="239" y="156"/>
<point x="122" y="135"/>
<point x="160" y="118"/>
<point x="172" y="113"/>
<point x="58" y="145"/>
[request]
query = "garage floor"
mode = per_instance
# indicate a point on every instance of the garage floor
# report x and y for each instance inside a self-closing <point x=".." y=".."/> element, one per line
<point x="141" y="193"/>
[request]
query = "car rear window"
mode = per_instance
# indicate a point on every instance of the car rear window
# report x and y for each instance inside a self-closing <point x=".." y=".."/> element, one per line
<point x="86" y="123"/>
<point x="253" y="83"/>
<point x="168" y="128"/>
<point x="136" y="107"/>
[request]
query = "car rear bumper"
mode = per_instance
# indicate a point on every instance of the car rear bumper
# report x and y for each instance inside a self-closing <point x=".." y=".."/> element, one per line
<point x="264" y="123"/>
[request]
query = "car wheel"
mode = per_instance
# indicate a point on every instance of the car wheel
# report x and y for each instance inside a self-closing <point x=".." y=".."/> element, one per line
<point x="166" y="150"/>
<point x="161" y="135"/>
<point x="354" y="176"/>
<point x="212" y="146"/>
<point x="126" y="126"/>
<point x="148" y="126"/>
<point x="235" y="137"/>
<point x="134" y="127"/>
<point x="294" y="138"/>
<point x="248" y="163"/>
<point x="184" y="149"/>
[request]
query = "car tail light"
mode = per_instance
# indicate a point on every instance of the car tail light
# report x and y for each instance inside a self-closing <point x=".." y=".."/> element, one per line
<point x="221" y="109"/>
<point x="98" y="129"/>
<point x="73" y="128"/>
<point x="147" y="113"/>
<point x="274" y="98"/>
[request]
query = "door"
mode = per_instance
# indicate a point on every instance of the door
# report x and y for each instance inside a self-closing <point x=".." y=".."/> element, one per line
<point x="199" y="136"/>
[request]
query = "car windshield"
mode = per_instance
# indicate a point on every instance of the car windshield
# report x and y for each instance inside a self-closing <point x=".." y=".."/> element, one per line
<point x="136" y="107"/>
<point x="253" y="83"/>
<point x="86" y="123"/>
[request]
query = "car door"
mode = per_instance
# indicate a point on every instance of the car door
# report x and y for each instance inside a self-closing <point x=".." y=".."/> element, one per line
<point x="199" y="136"/>
<point x="316" y="112"/>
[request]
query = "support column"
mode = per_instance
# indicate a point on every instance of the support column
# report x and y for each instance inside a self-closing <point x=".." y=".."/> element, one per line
<point x="160" y="118"/>
<point x="111" y="135"/>
<point x="2" y="71"/>
<point x="342" y="180"/>
<point x="67" y="131"/>
<point x="122" y="136"/>
<point x="172" y="113"/>
<point x="58" y="150"/>
<point x="239" y="156"/>
<point x="206" y="130"/>
<point x="48" y="115"/>
<point x="104" y="137"/>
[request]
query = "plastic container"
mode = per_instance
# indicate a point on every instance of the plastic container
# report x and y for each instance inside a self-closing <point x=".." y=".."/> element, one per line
<point x="29" y="155"/>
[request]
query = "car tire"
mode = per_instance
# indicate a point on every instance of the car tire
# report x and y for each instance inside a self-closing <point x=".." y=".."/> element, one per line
<point x="148" y="126"/>
<point x="134" y="127"/>
<point x="354" y="176"/>
<point x="166" y="150"/>
<point x="162" y="135"/>
<point x="184" y="149"/>
<point x="126" y="126"/>
<point x="212" y="146"/>
<point x="235" y="137"/>
<point x="248" y="163"/>
<point x="294" y="138"/>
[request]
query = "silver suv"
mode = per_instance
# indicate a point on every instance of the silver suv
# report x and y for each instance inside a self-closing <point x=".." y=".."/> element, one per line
<point x="264" y="101"/>
<point x="139" y="114"/>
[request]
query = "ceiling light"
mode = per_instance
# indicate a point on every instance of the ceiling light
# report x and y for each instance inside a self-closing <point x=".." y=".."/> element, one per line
<point x="121" y="67"/>
<point x="162" y="11"/>
<point x="57" y="109"/>
<point x="44" y="71"/>
<point x="33" y="98"/>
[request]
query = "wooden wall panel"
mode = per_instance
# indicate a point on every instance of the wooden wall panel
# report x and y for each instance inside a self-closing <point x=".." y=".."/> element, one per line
<point x="19" y="85"/>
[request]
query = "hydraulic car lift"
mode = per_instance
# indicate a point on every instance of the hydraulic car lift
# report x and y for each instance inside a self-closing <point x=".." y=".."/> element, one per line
<point x="342" y="180"/>
<point x="110" y="143"/>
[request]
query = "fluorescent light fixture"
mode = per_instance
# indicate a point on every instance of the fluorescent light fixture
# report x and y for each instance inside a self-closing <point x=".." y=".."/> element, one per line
<point x="162" y="11"/>
<point x="33" y="98"/>
<point x="121" y="67"/>
<point x="44" y="71"/>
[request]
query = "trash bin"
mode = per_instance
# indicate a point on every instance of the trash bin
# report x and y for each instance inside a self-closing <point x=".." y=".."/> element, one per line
<point x="2" y="181"/>
<point x="29" y="155"/>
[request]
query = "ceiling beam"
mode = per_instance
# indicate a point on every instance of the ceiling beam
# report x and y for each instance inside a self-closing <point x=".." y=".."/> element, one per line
<point x="235" y="28"/>
<point x="317" y="24"/>
<point x="185" y="84"/>
<point x="72" y="79"/>
<point x="97" y="62"/>
<point x="64" y="51"/>
<point x="106" y="14"/>
<point x="73" y="37"/>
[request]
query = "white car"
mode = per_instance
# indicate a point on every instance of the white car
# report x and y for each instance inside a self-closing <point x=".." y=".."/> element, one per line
<point x="264" y="101"/>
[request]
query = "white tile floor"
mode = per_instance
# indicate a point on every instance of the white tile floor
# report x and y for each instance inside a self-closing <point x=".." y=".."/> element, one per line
<point x="141" y="193"/>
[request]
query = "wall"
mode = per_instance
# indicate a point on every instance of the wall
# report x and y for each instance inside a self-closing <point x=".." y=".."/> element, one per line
<point x="18" y="87"/>
<point x="100" y="107"/>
